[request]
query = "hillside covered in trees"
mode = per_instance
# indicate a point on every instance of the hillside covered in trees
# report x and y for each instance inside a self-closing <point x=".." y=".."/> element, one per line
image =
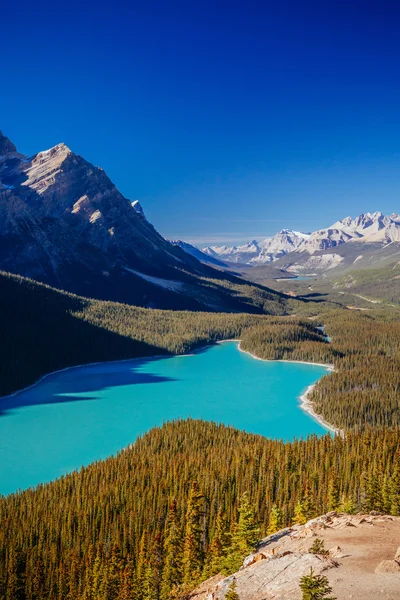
<point x="185" y="501"/>
<point x="191" y="498"/>
<point x="43" y="330"/>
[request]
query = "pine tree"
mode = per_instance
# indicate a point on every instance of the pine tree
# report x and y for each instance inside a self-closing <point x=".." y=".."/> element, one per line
<point x="157" y="563"/>
<point x="127" y="589"/>
<point x="115" y="568"/>
<point x="38" y="582"/>
<point x="16" y="575"/>
<point x="333" y="492"/>
<point x="395" y="488"/>
<point x="308" y="504"/>
<point x="97" y="576"/>
<point x="386" y="496"/>
<point x="148" y="584"/>
<point x="218" y="548"/>
<point x="318" y="547"/>
<point x="247" y="532"/>
<point x="347" y="505"/>
<point x="373" y="494"/>
<point x="299" y="514"/>
<point x="173" y="545"/>
<point x="315" y="587"/>
<point x="232" y="594"/>
<point x="193" y="553"/>
<point x="245" y="536"/>
<point x="275" y="520"/>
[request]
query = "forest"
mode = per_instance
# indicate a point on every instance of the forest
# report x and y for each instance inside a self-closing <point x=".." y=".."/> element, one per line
<point x="43" y="330"/>
<point x="185" y="501"/>
<point x="192" y="498"/>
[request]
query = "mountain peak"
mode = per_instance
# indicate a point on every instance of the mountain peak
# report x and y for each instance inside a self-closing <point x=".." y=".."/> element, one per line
<point x="6" y="146"/>
<point x="57" y="149"/>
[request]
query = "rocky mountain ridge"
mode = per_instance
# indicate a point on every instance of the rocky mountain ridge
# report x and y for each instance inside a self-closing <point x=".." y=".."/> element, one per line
<point x="369" y="228"/>
<point x="361" y="559"/>
<point x="63" y="222"/>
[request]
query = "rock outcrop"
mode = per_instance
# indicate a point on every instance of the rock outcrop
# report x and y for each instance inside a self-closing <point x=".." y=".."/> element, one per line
<point x="360" y="561"/>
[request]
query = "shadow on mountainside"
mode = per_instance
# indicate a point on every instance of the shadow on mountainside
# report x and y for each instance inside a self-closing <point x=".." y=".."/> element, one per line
<point x="39" y="335"/>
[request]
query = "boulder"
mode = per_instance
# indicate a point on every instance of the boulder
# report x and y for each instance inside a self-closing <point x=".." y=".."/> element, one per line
<point x="388" y="566"/>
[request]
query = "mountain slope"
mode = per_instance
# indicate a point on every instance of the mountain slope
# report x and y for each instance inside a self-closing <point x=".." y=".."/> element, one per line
<point x="203" y="257"/>
<point x="63" y="222"/>
<point x="43" y="329"/>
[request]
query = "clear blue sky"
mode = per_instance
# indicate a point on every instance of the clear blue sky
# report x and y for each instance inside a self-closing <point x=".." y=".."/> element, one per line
<point x="227" y="120"/>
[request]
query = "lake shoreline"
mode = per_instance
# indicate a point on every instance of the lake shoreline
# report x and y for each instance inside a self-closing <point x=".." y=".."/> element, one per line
<point x="305" y="402"/>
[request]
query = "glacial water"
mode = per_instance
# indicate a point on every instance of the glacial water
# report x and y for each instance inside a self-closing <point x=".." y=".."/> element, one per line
<point x="80" y="415"/>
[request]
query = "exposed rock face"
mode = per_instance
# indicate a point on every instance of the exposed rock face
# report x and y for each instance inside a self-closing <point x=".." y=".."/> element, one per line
<point x="360" y="562"/>
<point x="63" y="222"/>
<point x="6" y="147"/>
<point x="372" y="228"/>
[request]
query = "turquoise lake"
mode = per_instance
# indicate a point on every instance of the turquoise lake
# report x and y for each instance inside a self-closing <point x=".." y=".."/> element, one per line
<point x="83" y="414"/>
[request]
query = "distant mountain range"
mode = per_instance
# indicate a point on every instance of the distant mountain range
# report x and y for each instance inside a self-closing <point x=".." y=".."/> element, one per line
<point x="368" y="228"/>
<point x="63" y="222"/>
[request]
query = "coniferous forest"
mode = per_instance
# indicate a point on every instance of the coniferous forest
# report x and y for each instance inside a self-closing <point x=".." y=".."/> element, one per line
<point x="186" y="501"/>
<point x="191" y="499"/>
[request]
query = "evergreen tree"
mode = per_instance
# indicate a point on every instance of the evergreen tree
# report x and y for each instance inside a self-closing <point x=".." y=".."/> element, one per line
<point x="127" y="589"/>
<point x="173" y="546"/>
<point x="333" y="492"/>
<point x="193" y="553"/>
<point x="245" y="536"/>
<point x="299" y="514"/>
<point x="96" y="577"/>
<point x="275" y="520"/>
<point x="372" y="494"/>
<point x="318" y="547"/>
<point x="232" y="594"/>
<point x="315" y="587"/>
<point x="16" y="575"/>
<point x="114" y="573"/>
<point x="347" y="505"/>
<point x="395" y="487"/>
<point x="218" y="548"/>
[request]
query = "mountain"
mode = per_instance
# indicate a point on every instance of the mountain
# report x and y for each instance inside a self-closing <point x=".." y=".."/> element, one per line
<point x="236" y="254"/>
<point x="265" y="251"/>
<point x="63" y="222"/>
<point x="284" y="242"/>
<point x="318" y="250"/>
<point x="203" y="257"/>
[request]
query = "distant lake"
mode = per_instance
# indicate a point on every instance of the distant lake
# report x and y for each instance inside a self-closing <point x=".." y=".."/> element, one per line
<point x="83" y="414"/>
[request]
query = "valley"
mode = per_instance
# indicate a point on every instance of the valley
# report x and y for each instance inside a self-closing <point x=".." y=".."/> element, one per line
<point x="122" y="413"/>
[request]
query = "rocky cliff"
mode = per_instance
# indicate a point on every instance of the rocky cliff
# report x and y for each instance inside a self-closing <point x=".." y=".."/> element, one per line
<point x="361" y="561"/>
<point x="63" y="222"/>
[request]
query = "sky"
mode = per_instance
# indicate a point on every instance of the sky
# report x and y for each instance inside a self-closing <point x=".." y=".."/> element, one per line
<point x="227" y="120"/>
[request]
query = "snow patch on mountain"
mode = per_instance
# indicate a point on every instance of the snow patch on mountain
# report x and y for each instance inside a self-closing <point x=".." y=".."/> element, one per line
<point x="367" y="227"/>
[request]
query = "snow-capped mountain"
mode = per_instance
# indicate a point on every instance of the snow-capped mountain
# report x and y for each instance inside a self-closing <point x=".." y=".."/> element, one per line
<point x="282" y="243"/>
<point x="236" y="254"/>
<point x="262" y="252"/>
<point x="369" y="227"/>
